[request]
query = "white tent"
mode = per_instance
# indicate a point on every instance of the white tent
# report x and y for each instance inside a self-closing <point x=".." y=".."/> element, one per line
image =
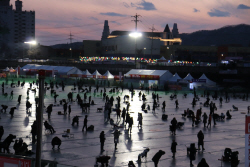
<point x="6" y="69"/>
<point x="59" y="70"/>
<point x="208" y="81"/>
<point x="162" y="58"/>
<point x="188" y="77"/>
<point x="175" y="78"/>
<point x="86" y="72"/>
<point x="75" y="71"/>
<point x="96" y="73"/>
<point x="108" y="75"/>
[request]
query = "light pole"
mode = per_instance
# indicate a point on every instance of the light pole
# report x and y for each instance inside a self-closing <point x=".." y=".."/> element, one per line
<point x="31" y="43"/>
<point x="70" y="52"/>
<point x="135" y="35"/>
<point x="144" y="53"/>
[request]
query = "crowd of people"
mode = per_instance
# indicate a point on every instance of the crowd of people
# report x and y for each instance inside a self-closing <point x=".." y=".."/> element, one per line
<point x="123" y="112"/>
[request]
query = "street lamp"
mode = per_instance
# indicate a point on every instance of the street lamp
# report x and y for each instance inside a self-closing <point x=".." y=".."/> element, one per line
<point x="135" y="35"/>
<point x="31" y="43"/>
<point x="70" y="52"/>
<point x="144" y="53"/>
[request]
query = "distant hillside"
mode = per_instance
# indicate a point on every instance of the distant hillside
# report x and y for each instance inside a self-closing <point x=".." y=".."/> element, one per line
<point x="75" y="45"/>
<point x="228" y="35"/>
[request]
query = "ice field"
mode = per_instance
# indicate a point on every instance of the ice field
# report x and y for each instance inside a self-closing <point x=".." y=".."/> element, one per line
<point x="82" y="149"/>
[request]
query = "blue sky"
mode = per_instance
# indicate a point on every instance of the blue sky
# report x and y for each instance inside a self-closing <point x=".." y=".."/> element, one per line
<point x="55" y="19"/>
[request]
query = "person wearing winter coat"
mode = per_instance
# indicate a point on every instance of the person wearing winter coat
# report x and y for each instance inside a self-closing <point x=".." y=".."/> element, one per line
<point x="116" y="137"/>
<point x="157" y="157"/>
<point x="174" y="125"/>
<point x="205" y="119"/>
<point x="173" y="148"/>
<point x="192" y="155"/>
<point x="102" y="140"/>
<point x="200" y="136"/>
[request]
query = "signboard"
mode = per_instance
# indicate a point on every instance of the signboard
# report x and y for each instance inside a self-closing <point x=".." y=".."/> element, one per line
<point x="199" y="80"/>
<point x="150" y="77"/>
<point x="174" y="87"/>
<point x="247" y="141"/>
<point x="64" y="76"/>
<point x="9" y="161"/>
<point x="75" y="75"/>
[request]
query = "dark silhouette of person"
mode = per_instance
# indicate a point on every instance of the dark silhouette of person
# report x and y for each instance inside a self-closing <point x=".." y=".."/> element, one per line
<point x="200" y="136"/>
<point x="11" y="94"/>
<point x="49" y="110"/>
<point x="173" y="148"/>
<point x="209" y="120"/>
<point x="34" y="131"/>
<point x="102" y="140"/>
<point x="1" y="132"/>
<point x="157" y="157"/>
<point x="69" y="109"/>
<point x="56" y="141"/>
<point x="203" y="163"/>
<point x="12" y="109"/>
<point x="130" y="124"/>
<point x="163" y="106"/>
<point x="49" y="127"/>
<point x="192" y="154"/>
<point x="116" y="137"/>
<point x="174" y="125"/>
<point x="85" y="122"/>
<point x="55" y="96"/>
<point x="75" y="120"/>
<point x="204" y="119"/>
<point x="65" y="106"/>
<point x="19" y="99"/>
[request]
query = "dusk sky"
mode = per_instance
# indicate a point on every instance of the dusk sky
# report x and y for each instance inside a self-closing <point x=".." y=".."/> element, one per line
<point x="55" y="19"/>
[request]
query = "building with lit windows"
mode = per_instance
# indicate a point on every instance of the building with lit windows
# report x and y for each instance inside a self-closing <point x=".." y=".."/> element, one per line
<point x="146" y="46"/>
<point x="20" y="27"/>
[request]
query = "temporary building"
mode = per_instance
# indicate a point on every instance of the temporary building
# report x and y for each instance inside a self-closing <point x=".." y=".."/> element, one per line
<point x="206" y="80"/>
<point x="75" y="72"/>
<point x="107" y="75"/>
<point x="6" y="69"/>
<point x="189" y="77"/>
<point x="147" y="78"/>
<point x="86" y="72"/>
<point x="175" y="78"/>
<point x="96" y="74"/>
<point x="61" y="71"/>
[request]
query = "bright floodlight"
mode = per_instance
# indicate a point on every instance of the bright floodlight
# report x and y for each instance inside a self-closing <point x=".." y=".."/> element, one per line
<point x="31" y="42"/>
<point x="135" y="34"/>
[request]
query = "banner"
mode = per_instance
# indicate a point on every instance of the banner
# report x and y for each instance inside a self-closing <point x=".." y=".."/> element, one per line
<point x="150" y="77"/>
<point x="199" y="80"/>
<point x="247" y="141"/>
<point x="4" y="161"/>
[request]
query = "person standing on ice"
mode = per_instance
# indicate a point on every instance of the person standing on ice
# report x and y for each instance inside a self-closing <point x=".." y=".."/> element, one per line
<point x="116" y="137"/>
<point x="174" y="125"/>
<point x="85" y="123"/>
<point x="102" y="140"/>
<point x="204" y="119"/>
<point x="173" y="148"/>
<point x="200" y="136"/>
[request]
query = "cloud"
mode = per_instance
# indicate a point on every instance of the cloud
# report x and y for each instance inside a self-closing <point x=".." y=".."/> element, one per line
<point x="196" y="10"/>
<point x="126" y="5"/>
<point x="242" y="6"/>
<point x="113" y="14"/>
<point x="76" y="18"/>
<point x="144" y="5"/>
<point x="115" y="22"/>
<point x="94" y="18"/>
<point x="218" y="13"/>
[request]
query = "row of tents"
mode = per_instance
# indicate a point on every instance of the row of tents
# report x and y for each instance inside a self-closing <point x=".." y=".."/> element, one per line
<point x="189" y="78"/>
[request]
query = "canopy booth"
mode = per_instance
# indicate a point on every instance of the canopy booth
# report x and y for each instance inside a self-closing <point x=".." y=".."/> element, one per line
<point x="147" y="78"/>
<point x="96" y="74"/>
